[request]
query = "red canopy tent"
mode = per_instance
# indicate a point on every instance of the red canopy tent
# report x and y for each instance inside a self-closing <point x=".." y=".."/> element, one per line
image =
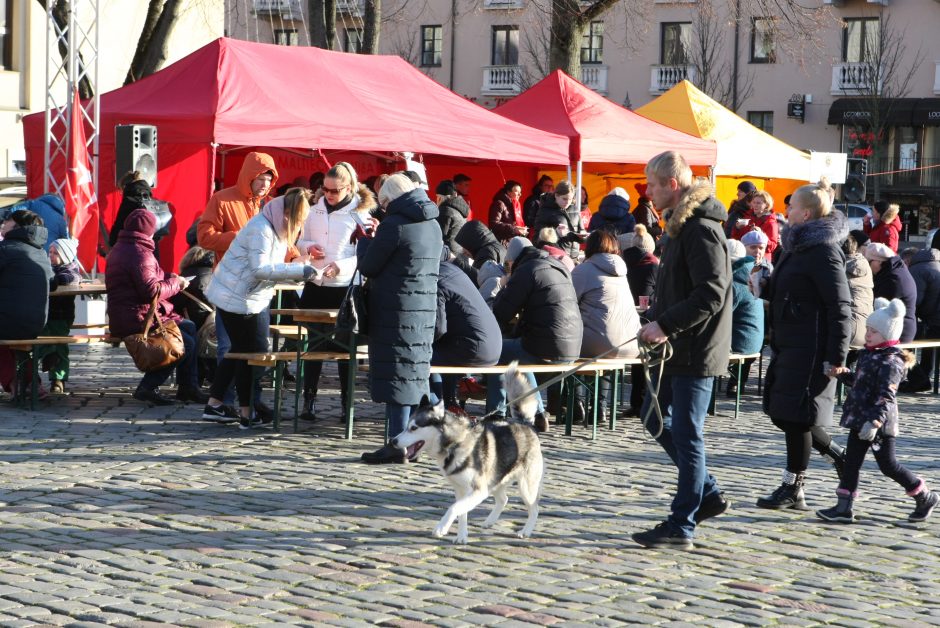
<point x="600" y="131"/>
<point x="234" y="94"/>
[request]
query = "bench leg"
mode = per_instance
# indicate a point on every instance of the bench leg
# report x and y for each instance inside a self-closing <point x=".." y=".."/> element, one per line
<point x="301" y="348"/>
<point x="594" y="409"/>
<point x="737" y="395"/>
<point x="615" y="400"/>
<point x="713" y="404"/>
<point x="571" y="384"/>
<point x="278" y="383"/>
<point x="936" y="370"/>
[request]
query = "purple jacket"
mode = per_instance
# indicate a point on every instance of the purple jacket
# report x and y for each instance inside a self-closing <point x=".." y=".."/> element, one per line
<point x="134" y="277"/>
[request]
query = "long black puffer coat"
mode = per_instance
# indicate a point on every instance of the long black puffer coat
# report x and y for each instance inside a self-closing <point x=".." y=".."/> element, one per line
<point x="894" y="281"/>
<point x="541" y="292"/>
<point x="402" y="263"/>
<point x="25" y="272"/>
<point x="810" y="322"/>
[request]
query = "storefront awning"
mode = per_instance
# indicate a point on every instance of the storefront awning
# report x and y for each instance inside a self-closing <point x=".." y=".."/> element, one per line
<point x="856" y="111"/>
<point x="926" y="112"/>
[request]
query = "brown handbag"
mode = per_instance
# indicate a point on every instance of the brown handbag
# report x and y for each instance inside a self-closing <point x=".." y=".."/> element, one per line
<point x="155" y="348"/>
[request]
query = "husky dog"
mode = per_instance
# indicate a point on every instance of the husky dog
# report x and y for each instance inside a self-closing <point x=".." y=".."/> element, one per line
<point x="483" y="458"/>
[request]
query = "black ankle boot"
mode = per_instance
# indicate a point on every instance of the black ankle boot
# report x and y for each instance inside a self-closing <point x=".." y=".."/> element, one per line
<point x="835" y="454"/>
<point x="310" y="408"/>
<point x="842" y="511"/>
<point x="788" y="495"/>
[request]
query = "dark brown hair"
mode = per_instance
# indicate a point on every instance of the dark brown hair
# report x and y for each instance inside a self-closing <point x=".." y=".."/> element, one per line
<point x="601" y="241"/>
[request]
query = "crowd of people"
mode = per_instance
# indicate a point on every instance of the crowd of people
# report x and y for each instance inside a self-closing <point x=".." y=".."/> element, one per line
<point x="541" y="280"/>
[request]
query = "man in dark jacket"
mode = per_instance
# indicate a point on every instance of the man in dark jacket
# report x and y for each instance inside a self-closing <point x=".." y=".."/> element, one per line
<point x="925" y="269"/>
<point x="540" y="292"/>
<point x="530" y="207"/>
<point x="693" y="311"/>
<point x="894" y="281"/>
<point x="51" y="208"/>
<point x="453" y="213"/>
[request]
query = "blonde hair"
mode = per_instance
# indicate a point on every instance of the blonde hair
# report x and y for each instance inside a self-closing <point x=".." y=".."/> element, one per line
<point x="296" y="208"/>
<point x="816" y="197"/>
<point x="396" y="185"/>
<point x="548" y="235"/>
<point x="764" y="194"/>
<point x="670" y="165"/>
<point x="343" y="171"/>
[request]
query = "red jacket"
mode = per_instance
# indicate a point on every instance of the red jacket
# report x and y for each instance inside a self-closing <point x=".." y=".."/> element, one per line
<point x="771" y="228"/>
<point x="888" y="233"/>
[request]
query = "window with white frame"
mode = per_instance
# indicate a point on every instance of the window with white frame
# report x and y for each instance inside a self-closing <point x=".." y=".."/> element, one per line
<point x="592" y="44"/>
<point x="860" y="39"/>
<point x="763" y="47"/>
<point x="676" y="43"/>
<point x="286" y="37"/>
<point x="6" y="34"/>
<point x="505" y="50"/>
<point x="432" y="43"/>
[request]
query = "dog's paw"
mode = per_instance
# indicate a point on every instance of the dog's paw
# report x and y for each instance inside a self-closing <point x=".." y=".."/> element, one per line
<point x="440" y="532"/>
<point x="525" y="533"/>
<point x="461" y="539"/>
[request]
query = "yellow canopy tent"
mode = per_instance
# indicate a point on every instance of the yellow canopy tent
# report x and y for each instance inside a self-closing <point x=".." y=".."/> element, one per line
<point x="744" y="151"/>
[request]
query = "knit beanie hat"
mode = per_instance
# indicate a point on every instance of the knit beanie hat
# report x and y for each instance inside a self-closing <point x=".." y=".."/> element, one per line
<point x="753" y="237"/>
<point x="394" y="187"/>
<point x="515" y="247"/>
<point x="860" y="236"/>
<point x="878" y="251"/>
<point x="735" y="250"/>
<point x="747" y="187"/>
<point x="622" y="193"/>
<point x="67" y="248"/>
<point x="446" y="188"/>
<point x="642" y="239"/>
<point x="887" y="318"/>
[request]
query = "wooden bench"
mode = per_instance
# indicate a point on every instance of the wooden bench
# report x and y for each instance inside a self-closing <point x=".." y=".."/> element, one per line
<point x="278" y="359"/>
<point x="27" y="347"/>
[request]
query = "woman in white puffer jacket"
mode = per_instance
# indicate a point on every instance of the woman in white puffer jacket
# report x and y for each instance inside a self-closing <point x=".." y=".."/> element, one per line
<point x="341" y="213"/>
<point x="242" y="286"/>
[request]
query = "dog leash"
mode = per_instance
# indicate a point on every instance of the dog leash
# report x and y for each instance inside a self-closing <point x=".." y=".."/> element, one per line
<point x="651" y="356"/>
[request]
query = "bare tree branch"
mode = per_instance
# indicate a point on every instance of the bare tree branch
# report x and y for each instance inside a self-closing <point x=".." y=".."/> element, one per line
<point x="60" y="14"/>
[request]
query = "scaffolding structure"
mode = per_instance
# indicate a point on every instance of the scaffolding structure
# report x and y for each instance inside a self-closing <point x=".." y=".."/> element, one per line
<point x="71" y="57"/>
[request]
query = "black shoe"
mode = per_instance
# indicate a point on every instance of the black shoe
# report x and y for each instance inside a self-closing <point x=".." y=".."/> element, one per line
<point x="663" y="536"/>
<point x="289" y="377"/>
<point x="580" y="413"/>
<point x="732" y="390"/>
<point x="309" y="412"/>
<point x="711" y="506"/>
<point x="153" y="397"/>
<point x="909" y="386"/>
<point x="386" y="454"/>
<point x="630" y="411"/>
<point x="540" y="422"/>
<point x="263" y="412"/>
<point x="786" y="496"/>
<point x="219" y="414"/>
<point x="255" y="422"/>
<point x="187" y="394"/>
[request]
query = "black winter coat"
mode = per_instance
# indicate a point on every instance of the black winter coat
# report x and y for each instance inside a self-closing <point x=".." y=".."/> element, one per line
<point x="482" y="244"/>
<point x="25" y="273"/>
<point x="738" y="209"/>
<point x="894" y="281"/>
<point x="530" y="209"/>
<point x="641" y="273"/>
<point x="466" y="332"/>
<point x="402" y="263"/>
<point x="925" y="269"/>
<point x="452" y="217"/>
<point x="135" y="192"/>
<point x="540" y="291"/>
<point x="551" y="215"/>
<point x="613" y="214"/>
<point x="644" y="214"/>
<point x="693" y="287"/>
<point x="201" y="270"/>
<point x="810" y="322"/>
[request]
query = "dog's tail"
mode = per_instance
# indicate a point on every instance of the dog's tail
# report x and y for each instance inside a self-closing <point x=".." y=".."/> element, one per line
<point x="523" y="408"/>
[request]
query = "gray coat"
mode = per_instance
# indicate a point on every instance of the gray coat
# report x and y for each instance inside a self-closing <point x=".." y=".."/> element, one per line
<point x="402" y="264"/>
<point x="606" y="305"/>
<point x="925" y="269"/>
<point x="861" y="284"/>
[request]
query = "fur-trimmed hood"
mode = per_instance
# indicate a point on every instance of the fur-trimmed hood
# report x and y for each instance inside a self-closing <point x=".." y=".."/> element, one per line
<point x="697" y="201"/>
<point x="367" y="201"/>
<point x="831" y="229"/>
<point x="890" y="214"/>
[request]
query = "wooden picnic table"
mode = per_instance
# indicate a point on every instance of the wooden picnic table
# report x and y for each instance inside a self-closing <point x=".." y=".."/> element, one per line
<point x="85" y="288"/>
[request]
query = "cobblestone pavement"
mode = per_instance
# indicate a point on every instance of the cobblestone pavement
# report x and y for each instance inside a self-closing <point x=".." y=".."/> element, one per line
<point x="116" y="513"/>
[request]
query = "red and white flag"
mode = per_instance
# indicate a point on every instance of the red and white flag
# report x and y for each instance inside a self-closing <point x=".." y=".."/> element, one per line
<point x="81" y="202"/>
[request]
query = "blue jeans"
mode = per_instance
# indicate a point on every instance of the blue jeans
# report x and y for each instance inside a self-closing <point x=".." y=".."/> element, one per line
<point x="396" y="416"/>
<point x="684" y="401"/>
<point x="495" y="393"/>
<point x="186" y="372"/>
<point x="225" y="345"/>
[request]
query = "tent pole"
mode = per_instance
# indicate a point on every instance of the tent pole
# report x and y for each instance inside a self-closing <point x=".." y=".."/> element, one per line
<point x="577" y="190"/>
<point x="215" y="152"/>
<point x="569" y="172"/>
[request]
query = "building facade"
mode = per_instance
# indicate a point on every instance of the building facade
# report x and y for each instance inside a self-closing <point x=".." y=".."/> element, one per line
<point x="23" y="57"/>
<point x="829" y="97"/>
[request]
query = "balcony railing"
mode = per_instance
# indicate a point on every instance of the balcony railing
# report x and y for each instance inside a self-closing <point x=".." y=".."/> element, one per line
<point x="595" y="77"/>
<point x="857" y="78"/>
<point x="918" y="172"/>
<point x="285" y="8"/>
<point x="502" y="80"/>
<point x="665" y="77"/>
<point x="354" y="8"/>
<point x="503" y="4"/>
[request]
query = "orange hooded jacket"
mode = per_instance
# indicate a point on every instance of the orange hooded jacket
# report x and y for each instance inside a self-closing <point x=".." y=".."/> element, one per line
<point x="231" y="208"/>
